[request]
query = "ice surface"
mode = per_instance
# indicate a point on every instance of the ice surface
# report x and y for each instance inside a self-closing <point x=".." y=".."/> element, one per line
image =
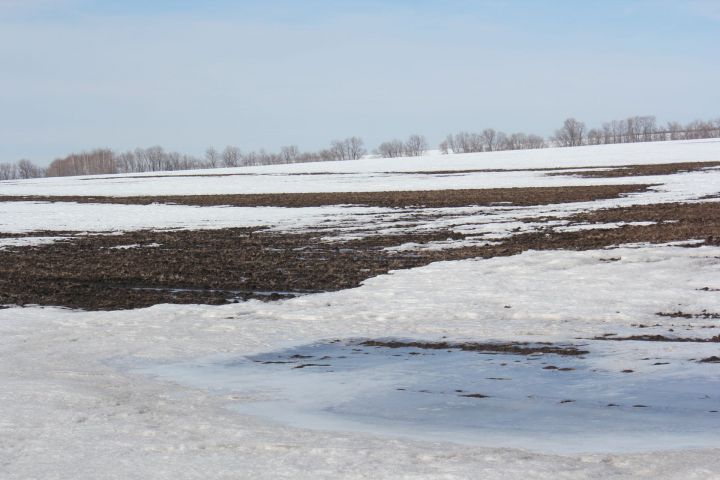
<point x="545" y="402"/>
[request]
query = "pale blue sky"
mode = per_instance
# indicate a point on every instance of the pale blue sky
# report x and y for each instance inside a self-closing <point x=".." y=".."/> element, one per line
<point x="77" y="74"/>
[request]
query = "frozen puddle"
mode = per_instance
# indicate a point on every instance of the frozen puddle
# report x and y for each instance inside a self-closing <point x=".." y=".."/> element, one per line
<point x="552" y="402"/>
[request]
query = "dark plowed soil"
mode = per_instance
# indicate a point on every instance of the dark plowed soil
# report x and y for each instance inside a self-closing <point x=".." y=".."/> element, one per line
<point x="688" y="213"/>
<point x="641" y="170"/>
<point x="216" y="266"/>
<point x="659" y="338"/>
<point x="675" y="222"/>
<point x="704" y="315"/>
<point x="212" y="266"/>
<point x="713" y="359"/>
<point x="430" y="198"/>
<point x="515" y="348"/>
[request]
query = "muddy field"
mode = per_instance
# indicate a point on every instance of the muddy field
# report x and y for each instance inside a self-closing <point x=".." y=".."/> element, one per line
<point x="399" y="199"/>
<point x="139" y="269"/>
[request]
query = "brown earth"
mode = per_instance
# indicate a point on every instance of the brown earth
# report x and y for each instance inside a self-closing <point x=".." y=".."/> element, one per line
<point x="640" y="170"/>
<point x="429" y="198"/>
<point x="613" y="171"/>
<point x="212" y="266"/>
<point x="659" y="338"/>
<point x="514" y="348"/>
<point x="217" y="266"/>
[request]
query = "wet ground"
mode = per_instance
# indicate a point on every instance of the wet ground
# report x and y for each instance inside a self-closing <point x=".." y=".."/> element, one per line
<point x="511" y="395"/>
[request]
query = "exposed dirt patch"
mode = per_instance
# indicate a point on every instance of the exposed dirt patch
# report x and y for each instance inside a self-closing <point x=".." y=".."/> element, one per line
<point x="660" y="212"/>
<point x="640" y="170"/>
<point x="216" y="266"/>
<point x="704" y="315"/>
<point x="305" y="365"/>
<point x="212" y="266"/>
<point x="430" y="198"/>
<point x="474" y="395"/>
<point x="515" y="348"/>
<point x="674" y="222"/>
<point x="713" y="359"/>
<point x="660" y="338"/>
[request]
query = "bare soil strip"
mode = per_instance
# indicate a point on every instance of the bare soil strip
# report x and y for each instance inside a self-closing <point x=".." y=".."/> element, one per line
<point x="402" y="199"/>
<point x="217" y="266"/>
<point x="640" y="170"/>
<point x="514" y="348"/>
<point x="659" y="338"/>
<point x="612" y="171"/>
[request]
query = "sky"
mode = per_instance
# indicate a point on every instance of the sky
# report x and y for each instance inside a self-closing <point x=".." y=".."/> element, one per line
<point x="80" y="74"/>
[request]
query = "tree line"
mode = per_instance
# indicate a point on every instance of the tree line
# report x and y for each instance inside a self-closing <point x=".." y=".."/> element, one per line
<point x="489" y="140"/>
<point x="574" y="133"/>
<point x="633" y="129"/>
<point x="156" y="159"/>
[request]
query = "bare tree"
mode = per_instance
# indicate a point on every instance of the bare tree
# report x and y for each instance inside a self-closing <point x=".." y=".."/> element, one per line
<point x="535" y="141"/>
<point x="675" y="131"/>
<point x="27" y="169"/>
<point x="571" y="134"/>
<point x="326" y="155"/>
<point x="632" y="129"/>
<point x="516" y="141"/>
<point x="289" y="153"/>
<point x="700" y="129"/>
<point x="501" y="141"/>
<point x="415" y="146"/>
<point x="594" y="137"/>
<point x="250" y="159"/>
<point x="231" y="156"/>
<point x="489" y="136"/>
<point x="450" y="146"/>
<point x="349" y="149"/>
<point x="444" y="147"/>
<point x="646" y="128"/>
<point x="212" y="157"/>
<point x="391" y="149"/>
<point x="616" y="131"/>
<point x="172" y="161"/>
<point x="355" y="148"/>
<point x="8" y="171"/>
<point x="155" y="157"/>
<point x="465" y="142"/>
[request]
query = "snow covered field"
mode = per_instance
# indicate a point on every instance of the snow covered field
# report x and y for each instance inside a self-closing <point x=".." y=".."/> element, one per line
<point x="108" y="394"/>
<point x="380" y="174"/>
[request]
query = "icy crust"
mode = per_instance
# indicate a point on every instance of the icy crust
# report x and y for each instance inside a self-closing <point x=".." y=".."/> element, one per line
<point x="68" y="412"/>
<point x="540" y="401"/>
